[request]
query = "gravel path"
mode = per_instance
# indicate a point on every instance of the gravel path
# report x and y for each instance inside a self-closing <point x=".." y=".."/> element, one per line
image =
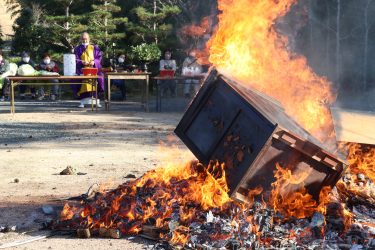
<point x="42" y="139"/>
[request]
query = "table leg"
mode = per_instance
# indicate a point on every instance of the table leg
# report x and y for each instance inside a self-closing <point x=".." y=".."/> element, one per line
<point x="92" y="95"/>
<point x="96" y="94"/>
<point x="109" y="92"/>
<point x="11" y="98"/>
<point x="147" y="90"/>
<point x="158" y="96"/>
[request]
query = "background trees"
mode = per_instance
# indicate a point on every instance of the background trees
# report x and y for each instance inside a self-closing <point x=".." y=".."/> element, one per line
<point x="104" y="26"/>
<point x="336" y="36"/>
<point x="338" y="39"/>
<point x="151" y="21"/>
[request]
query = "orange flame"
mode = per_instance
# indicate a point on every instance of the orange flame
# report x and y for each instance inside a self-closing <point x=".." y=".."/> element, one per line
<point x="289" y="197"/>
<point x="247" y="46"/>
<point x="362" y="160"/>
<point x="252" y="194"/>
<point x="176" y="187"/>
<point x="67" y="212"/>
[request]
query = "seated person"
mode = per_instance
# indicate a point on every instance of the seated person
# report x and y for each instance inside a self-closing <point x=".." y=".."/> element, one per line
<point x="167" y="64"/>
<point x="25" y="59"/>
<point x="191" y="67"/>
<point x="48" y="65"/>
<point x="4" y="73"/>
<point x="119" y="65"/>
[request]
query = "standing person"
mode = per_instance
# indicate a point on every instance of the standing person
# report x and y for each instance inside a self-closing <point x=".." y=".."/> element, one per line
<point x="87" y="56"/>
<point x="25" y="59"/>
<point x="191" y="67"/>
<point x="167" y="64"/>
<point x="48" y="65"/>
<point x="4" y="73"/>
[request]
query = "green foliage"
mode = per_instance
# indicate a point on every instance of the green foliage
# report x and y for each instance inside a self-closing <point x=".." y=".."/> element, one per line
<point x="124" y="22"/>
<point x="64" y="32"/>
<point x="28" y="34"/>
<point x="103" y="25"/>
<point x="146" y="52"/>
<point x="151" y="23"/>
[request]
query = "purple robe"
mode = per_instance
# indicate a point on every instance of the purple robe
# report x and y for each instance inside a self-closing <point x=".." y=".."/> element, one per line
<point x="78" y="51"/>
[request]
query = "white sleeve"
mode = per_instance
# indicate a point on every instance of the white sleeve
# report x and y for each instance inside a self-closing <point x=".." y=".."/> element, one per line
<point x="161" y="65"/>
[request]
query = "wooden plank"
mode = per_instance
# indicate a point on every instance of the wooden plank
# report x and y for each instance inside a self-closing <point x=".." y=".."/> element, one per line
<point x="150" y="232"/>
<point x="354" y="125"/>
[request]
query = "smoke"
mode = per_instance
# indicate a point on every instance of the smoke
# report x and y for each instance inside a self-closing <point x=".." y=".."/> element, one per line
<point x="332" y="36"/>
<point x="200" y="27"/>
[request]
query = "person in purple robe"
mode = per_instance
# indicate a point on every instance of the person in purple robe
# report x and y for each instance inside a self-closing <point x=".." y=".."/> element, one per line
<point x="87" y="56"/>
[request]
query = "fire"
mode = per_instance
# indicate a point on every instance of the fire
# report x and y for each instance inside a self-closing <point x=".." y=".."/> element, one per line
<point x="359" y="177"/>
<point x="197" y="30"/>
<point x="247" y="46"/>
<point x="176" y="191"/>
<point x="362" y="160"/>
<point x="289" y="197"/>
<point x="253" y="193"/>
<point x="181" y="193"/>
<point x="193" y="33"/>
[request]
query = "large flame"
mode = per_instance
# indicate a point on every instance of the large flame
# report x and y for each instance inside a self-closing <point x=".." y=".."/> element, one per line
<point x="247" y="46"/>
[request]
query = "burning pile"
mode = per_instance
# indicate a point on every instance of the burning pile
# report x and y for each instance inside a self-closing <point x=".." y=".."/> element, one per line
<point x="188" y="205"/>
<point x="357" y="185"/>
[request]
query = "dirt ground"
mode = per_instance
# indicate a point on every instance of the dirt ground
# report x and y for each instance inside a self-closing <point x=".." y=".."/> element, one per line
<point x="42" y="139"/>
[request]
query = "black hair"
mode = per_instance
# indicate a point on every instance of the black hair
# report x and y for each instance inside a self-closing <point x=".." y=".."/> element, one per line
<point x="46" y="54"/>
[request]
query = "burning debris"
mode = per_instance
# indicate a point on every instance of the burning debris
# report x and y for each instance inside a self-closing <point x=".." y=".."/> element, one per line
<point x="250" y="150"/>
<point x="290" y="202"/>
<point x="188" y="207"/>
<point x="191" y="206"/>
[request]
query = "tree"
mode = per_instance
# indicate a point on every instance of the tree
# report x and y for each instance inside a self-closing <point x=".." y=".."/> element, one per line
<point x="65" y="28"/>
<point x="151" y="24"/>
<point x="29" y="36"/>
<point x="338" y="43"/>
<point x="367" y="27"/>
<point x="102" y="24"/>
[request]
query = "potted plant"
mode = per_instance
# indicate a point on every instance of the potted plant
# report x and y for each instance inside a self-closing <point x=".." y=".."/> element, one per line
<point x="146" y="53"/>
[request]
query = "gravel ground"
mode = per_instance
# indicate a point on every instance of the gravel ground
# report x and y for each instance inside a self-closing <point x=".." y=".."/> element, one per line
<point x="43" y="138"/>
